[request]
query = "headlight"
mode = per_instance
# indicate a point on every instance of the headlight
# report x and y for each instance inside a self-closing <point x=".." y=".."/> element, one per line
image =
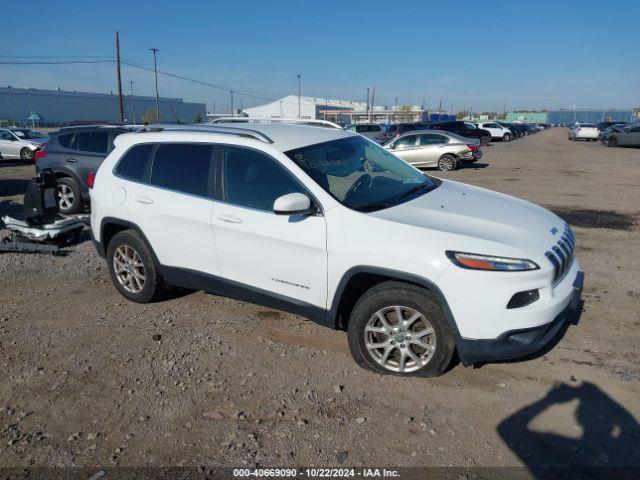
<point x="476" y="261"/>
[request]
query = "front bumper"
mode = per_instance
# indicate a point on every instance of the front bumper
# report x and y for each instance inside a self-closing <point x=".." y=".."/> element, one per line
<point x="524" y="342"/>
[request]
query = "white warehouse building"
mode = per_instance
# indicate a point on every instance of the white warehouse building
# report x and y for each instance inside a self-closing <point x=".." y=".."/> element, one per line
<point x="310" y="108"/>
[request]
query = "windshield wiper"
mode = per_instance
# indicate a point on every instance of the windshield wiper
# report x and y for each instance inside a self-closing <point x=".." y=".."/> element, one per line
<point x="371" y="207"/>
<point x="415" y="189"/>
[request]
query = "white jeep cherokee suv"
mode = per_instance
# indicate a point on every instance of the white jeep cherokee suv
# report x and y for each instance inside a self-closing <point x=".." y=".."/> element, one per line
<point x="324" y="223"/>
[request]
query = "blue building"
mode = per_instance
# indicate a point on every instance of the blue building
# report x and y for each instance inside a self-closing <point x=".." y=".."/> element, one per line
<point x="57" y="107"/>
<point x="567" y="117"/>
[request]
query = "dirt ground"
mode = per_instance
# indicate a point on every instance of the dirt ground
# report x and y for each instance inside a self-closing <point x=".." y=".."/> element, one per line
<point x="84" y="380"/>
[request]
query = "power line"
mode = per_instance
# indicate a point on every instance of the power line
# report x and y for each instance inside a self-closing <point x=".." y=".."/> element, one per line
<point x="130" y="63"/>
<point x="51" y="62"/>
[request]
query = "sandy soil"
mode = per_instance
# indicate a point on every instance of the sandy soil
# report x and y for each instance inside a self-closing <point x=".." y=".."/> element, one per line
<point x="85" y="382"/>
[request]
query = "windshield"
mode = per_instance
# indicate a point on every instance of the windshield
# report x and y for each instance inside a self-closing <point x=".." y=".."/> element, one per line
<point x="360" y="174"/>
<point x="28" y="134"/>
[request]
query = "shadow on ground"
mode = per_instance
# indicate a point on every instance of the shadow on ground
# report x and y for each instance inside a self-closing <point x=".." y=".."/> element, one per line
<point x="10" y="187"/>
<point x="609" y="442"/>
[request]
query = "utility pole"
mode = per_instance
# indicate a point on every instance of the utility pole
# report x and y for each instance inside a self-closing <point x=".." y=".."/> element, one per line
<point x="367" y="102"/>
<point x="120" y="99"/>
<point x="440" y="107"/>
<point x="373" y="96"/>
<point x="155" y="71"/>
<point x="214" y="107"/>
<point x="133" y="104"/>
<point x="451" y="110"/>
<point x="299" y="92"/>
<point x="231" y="92"/>
<point x="395" y="103"/>
<point x="13" y="111"/>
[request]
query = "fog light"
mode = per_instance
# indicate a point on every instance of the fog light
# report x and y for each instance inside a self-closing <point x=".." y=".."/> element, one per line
<point x="522" y="299"/>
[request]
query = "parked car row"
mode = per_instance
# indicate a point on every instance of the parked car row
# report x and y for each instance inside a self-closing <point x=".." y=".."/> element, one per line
<point x="621" y="135"/>
<point x="612" y="134"/>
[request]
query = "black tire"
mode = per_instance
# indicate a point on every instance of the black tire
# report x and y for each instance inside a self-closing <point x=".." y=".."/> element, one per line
<point x="154" y="286"/>
<point x="69" y="195"/>
<point x="612" y="142"/>
<point x="484" y="141"/>
<point x="447" y="163"/>
<point x="506" y="137"/>
<point x="391" y="294"/>
<point x="27" y="155"/>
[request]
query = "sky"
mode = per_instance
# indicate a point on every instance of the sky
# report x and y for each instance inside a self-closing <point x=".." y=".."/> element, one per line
<point x="479" y="55"/>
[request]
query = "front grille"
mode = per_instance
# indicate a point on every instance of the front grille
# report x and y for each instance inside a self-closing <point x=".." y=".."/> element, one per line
<point x="561" y="254"/>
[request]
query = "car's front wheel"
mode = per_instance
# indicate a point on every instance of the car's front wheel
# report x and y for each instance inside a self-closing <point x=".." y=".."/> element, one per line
<point x="27" y="155"/>
<point x="400" y="329"/>
<point x="133" y="268"/>
<point x="447" y="163"/>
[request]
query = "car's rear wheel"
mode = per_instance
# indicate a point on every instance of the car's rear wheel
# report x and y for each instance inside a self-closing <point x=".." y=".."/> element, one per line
<point x="400" y="329"/>
<point x="27" y="155"/>
<point x="133" y="268"/>
<point x="506" y="137"/>
<point x="612" y="142"/>
<point x="69" y="195"/>
<point x="447" y="163"/>
<point x="484" y="141"/>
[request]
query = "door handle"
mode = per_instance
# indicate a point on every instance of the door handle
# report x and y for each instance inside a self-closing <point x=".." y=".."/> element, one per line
<point x="229" y="219"/>
<point x="144" y="200"/>
<point x="71" y="160"/>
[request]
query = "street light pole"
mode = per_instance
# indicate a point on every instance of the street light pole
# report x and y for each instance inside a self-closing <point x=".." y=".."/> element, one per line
<point x="133" y="104"/>
<point x="231" y="92"/>
<point x="299" y="93"/>
<point x="155" y="71"/>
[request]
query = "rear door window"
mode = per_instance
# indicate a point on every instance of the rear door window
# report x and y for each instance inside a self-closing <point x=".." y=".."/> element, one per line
<point x="134" y="163"/>
<point x="432" y="139"/>
<point x="183" y="167"/>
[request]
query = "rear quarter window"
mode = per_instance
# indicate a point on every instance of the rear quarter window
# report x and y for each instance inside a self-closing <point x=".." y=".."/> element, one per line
<point x="66" y="140"/>
<point x="134" y="163"/>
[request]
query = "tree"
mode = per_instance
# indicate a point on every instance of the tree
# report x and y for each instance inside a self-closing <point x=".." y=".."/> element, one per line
<point x="197" y="118"/>
<point x="150" y="116"/>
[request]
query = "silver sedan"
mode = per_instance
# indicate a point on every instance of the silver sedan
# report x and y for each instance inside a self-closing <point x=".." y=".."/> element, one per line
<point x="435" y="148"/>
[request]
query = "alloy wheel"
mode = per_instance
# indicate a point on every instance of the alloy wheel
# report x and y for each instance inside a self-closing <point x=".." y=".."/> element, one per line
<point x="129" y="269"/>
<point x="400" y="339"/>
<point x="27" y="154"/>
<point x="66" y="197"/>
<point x="446" y="164"/>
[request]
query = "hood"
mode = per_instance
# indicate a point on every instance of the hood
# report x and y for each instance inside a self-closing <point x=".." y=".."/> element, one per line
<point x="457" y="208"/>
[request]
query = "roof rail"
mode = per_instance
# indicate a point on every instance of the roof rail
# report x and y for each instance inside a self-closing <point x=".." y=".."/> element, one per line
<point x="303" y="121"/>
<point x="221" y="129"/>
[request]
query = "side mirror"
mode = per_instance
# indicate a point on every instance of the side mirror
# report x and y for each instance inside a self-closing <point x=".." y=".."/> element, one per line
<point x="392" y="146"/>
<point x="293" y="204"/>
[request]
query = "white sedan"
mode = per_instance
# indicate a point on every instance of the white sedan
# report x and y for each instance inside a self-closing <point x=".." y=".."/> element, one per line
<point x="20" y="143"/>
<point x="584" y="131"/>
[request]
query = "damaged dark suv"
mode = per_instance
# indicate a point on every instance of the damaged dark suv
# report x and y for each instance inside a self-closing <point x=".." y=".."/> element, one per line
<point x="73" y="152"/>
